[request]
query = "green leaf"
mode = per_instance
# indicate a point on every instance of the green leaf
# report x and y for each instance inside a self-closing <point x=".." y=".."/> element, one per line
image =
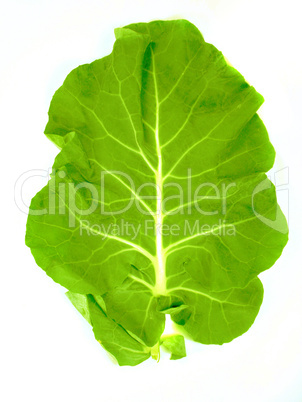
<point x="114" y="338"/>
<point x="218" y="317"/>
<point x="80" y="302"/>
<point x="158" y="202"/>
<point x="135" y="307"/>
<point x="174" y="344"/>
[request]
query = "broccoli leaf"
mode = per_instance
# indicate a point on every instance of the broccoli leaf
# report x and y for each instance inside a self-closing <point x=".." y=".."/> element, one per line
<point x="174" y="344"/>
<point x="158" y="202"/>
<point x="115" y="339"/>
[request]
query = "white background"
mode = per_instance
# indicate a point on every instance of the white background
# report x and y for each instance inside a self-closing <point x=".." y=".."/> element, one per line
<point x="48" y="352"/>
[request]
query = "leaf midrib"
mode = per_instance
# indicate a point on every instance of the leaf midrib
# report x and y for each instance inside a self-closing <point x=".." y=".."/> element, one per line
<point x="160" y="265"/>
